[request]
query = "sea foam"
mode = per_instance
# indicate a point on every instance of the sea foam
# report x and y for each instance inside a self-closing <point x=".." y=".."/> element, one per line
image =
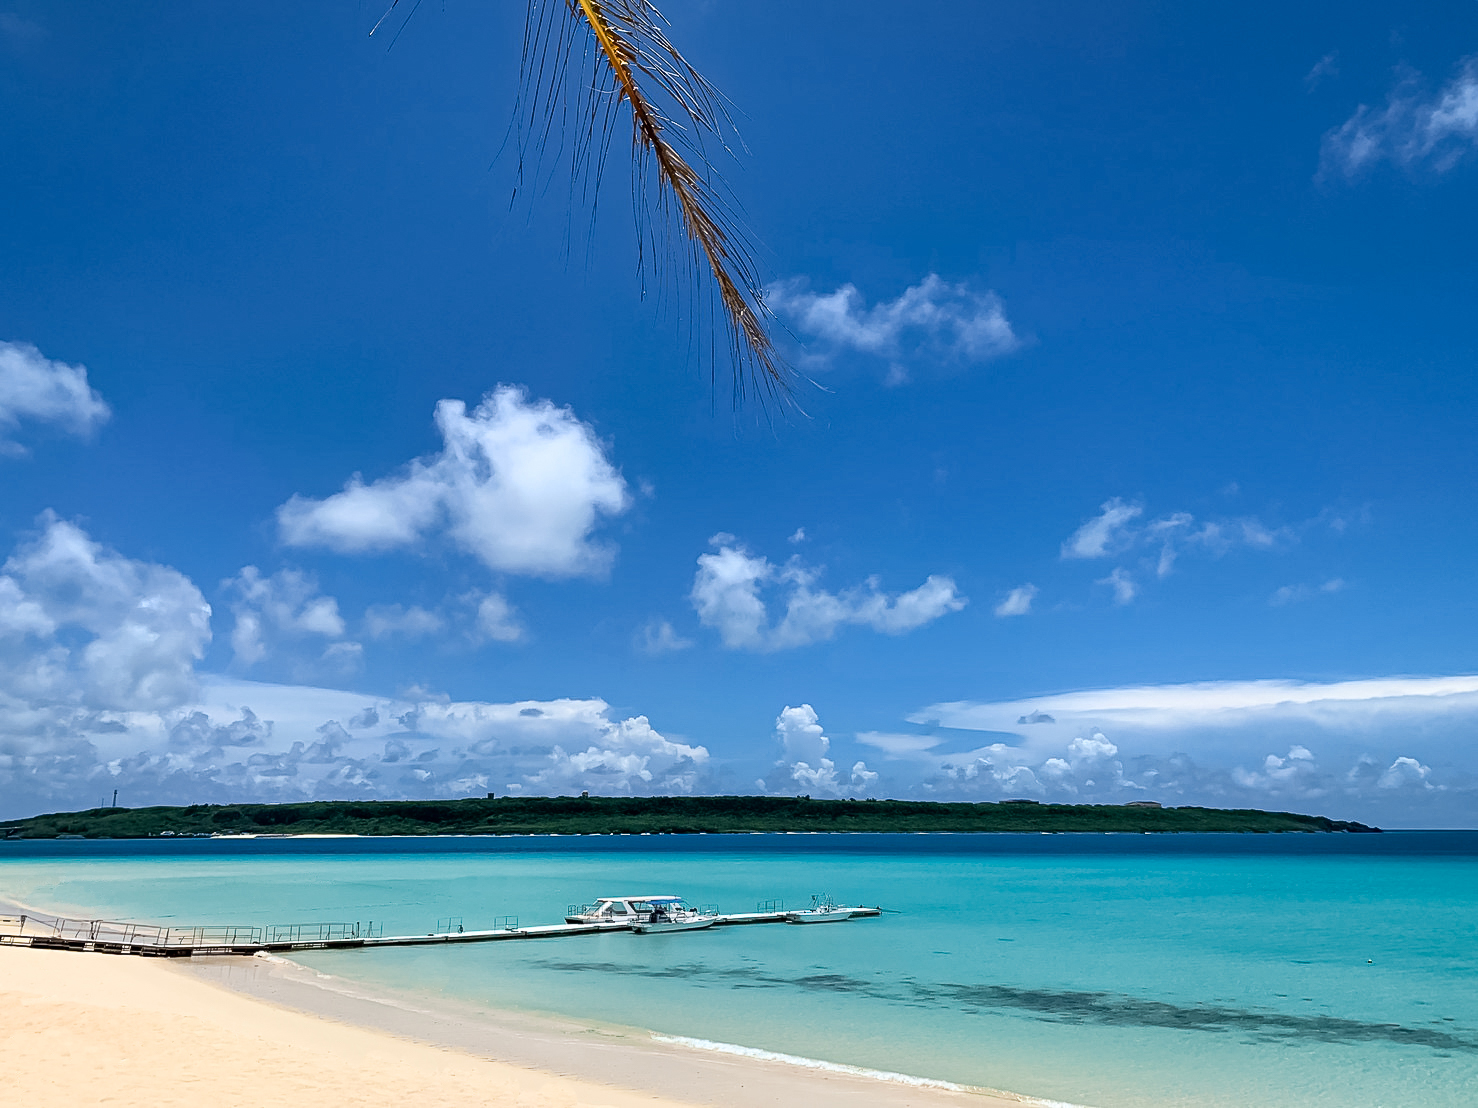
<point x="854" y="1071"/>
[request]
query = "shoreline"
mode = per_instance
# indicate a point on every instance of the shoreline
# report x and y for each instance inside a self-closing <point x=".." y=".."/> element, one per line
<point x="151" y="1047"/>
<point x="693" y="1071"/>
<point x="97" y="1028"/>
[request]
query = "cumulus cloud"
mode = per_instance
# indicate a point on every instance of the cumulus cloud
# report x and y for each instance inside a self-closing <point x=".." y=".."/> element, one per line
<point x="933" y="319"/>
<point x="36" y="389"/>
<point x="1406" y="773"/>
<point x="627" y="755"/>
<point x="1084" y="765"/>
<point x="248" y="741"/>
<point x="497" y="620"/>
<point x="81" y="625"/>
<point x="804" y="765"/>
<point x="1296" y="773"/>
<point x="519" y="484"/>
<point x="1018" y="601"/>
<point x="286" y="605"/>
<point x="996" y="772"/>
<point x="727" y="589"/>
<point x="1415" y="128"/>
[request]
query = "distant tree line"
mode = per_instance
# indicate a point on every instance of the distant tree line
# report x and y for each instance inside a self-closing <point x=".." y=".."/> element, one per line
<point x="601" y="815"/>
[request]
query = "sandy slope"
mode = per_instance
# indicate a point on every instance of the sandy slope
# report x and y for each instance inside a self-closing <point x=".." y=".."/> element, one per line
<point x="84" y="1029"/>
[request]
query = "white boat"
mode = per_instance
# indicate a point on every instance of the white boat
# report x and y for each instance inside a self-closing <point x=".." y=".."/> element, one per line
<point x="671" y="914"/>
<point x="630" y="910"/>
<point x="822" y="910"/>
<point x="615" y="909"/>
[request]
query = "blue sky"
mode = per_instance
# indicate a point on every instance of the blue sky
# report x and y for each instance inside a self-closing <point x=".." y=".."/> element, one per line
<point x="1143" y="400"/>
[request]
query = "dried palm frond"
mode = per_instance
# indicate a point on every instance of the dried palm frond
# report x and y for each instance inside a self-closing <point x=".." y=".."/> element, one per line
<point x="584" y="62"/>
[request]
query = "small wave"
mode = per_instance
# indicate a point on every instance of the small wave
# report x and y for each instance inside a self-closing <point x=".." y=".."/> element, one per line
<point x="855" y="1071"/>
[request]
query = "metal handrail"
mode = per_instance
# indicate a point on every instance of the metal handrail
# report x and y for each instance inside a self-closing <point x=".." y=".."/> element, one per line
<point x="123" y="933"/>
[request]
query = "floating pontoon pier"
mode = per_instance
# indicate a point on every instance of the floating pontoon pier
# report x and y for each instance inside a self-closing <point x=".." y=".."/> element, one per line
<point x="113" y="937"/>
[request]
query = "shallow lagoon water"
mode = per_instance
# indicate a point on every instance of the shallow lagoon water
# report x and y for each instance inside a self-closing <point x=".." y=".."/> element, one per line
<point x="1100" y="970"/>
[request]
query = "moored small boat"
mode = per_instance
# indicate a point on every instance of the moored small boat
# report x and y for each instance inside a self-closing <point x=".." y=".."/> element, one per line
<point x="669" y="913"/>
<point x="822" y="910"/>
<point x="618" y="909"/>
<point x="694" y="922"/>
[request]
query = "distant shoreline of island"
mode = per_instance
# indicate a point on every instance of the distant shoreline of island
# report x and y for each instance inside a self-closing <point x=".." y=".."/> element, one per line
<point x="685" y="815"/>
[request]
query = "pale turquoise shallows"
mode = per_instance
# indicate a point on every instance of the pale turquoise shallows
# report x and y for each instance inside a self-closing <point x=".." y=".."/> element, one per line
<point x="1107" y="971"/>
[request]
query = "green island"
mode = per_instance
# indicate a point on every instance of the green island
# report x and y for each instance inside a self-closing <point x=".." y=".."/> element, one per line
<point x="682" y="815"/>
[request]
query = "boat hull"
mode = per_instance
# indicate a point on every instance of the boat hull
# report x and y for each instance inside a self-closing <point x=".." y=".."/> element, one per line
<point x="835" y="915"/>
<point x="673" y="925"/>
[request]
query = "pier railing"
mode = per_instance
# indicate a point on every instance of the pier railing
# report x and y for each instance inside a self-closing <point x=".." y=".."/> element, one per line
<point x="121" y="933"/>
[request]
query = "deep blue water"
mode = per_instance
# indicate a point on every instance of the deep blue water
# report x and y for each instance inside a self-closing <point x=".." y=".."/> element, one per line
<point x="1383" y="844"/>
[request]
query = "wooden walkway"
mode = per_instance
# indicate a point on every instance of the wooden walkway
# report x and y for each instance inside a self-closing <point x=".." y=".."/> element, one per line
<point x="111" y="937"/>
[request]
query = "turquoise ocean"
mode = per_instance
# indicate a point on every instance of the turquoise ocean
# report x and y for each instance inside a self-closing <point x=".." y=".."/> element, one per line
<point x="1104" y="970"/>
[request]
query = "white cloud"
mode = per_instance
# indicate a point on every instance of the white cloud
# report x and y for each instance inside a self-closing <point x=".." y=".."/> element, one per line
<point x="1115" y="531"/>
<point x="1078" y="762"/>
<point x="1292" y="594"/>
<point x="628" y="756"/>
<point x="658" y="637"/>
<point x="933" y="318"/>
<point x="1325" y="67"/>
<point x="82" y="625"/>
<point x="995" y="771"/>
<point x="1405" y="773"/>
<point x="344" y="657"/>
<point x="1091" y="765"/>
<point x="497" y="619"/>
<point x="385" y="620"/>
<point x="802" y="738"/>
<point x="286" y="605"/>
<point x="1122" y="582"/>
<point x="898" y="744"/>
<point x="242" y="740"/>
<point x="727" y="589"/>
<point x="798" y="536"/>
<point x="472" y="618"/>
<point x="1392" y="750"/>
<point x="1414" y="128"/>
<point x="1106" y="533"/>
<point x="1296" y="773"/>
<point x="1219" y="704"/>
<point x="1018" y="601"/>
<point x="804" y="765"/>
<point x="726" y="594"/>
<point x="34" y="388"/>
<point x="520" y="485"/>
<point x="1158" y="544"/>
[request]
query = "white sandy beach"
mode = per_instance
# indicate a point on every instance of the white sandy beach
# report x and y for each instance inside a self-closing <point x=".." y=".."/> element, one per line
<point x="86" y="1029"/>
